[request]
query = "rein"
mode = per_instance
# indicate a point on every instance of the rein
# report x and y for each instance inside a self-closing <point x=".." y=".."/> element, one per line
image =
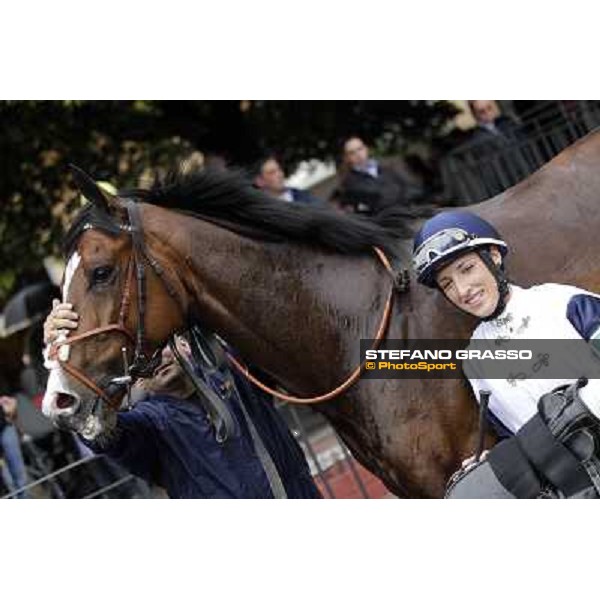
<point x="354" y="376"/>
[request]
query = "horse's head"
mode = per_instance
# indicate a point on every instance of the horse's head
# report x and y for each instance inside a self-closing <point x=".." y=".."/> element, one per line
<point x="127" y="304"/>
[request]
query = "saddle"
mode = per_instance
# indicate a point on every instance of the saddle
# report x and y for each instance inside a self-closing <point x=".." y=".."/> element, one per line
<point x="556" y="454"/>
<point x="208" y="353"/>
<point x="207" y="356"/>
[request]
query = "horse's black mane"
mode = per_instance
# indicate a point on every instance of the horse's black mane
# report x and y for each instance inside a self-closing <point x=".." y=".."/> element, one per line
<point x="228" y="198"/>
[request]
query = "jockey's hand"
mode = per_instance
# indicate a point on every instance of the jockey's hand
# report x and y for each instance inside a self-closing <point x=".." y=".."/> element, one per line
<point x="470" y="462"/>
<point x="61" y="317"/>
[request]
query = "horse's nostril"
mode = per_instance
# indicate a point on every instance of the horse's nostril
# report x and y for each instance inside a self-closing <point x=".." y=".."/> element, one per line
<point x="64" y="401"/>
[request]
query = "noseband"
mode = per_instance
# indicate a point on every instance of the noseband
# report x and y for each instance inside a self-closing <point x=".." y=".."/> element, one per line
<point x="142" y="365"/>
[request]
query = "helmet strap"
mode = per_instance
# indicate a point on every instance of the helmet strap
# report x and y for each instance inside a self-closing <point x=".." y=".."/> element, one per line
<point x="501" y="281"/>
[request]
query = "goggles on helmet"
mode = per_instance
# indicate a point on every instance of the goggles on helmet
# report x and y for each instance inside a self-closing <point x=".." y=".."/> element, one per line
<point x="440" y="245"/>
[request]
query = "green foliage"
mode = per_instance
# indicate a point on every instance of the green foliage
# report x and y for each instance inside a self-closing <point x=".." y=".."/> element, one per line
<point x="119" y="141"/>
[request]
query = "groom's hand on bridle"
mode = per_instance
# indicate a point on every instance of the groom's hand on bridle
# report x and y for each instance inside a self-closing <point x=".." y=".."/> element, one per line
<point x="62" y="317"/>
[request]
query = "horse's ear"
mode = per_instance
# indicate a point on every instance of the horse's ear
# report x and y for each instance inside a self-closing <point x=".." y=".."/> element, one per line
<point x="92" y="192"/>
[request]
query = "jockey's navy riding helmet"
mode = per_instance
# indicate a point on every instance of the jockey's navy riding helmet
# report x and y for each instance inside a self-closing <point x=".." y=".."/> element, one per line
<point x="448" y="235"/>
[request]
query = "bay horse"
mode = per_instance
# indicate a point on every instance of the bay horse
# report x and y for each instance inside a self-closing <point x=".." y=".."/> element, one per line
<point x="293" y="289"/>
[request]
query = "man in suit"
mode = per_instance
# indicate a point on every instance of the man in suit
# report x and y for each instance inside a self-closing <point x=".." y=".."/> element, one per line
<point x="368" y="186"/>
<point x="497" y="150"/>
<point x="492" y="125"/>
<point x="270" y="178"/>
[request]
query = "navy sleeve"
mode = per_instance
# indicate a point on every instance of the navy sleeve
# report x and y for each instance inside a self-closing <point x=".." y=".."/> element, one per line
<point x="134" y="445"/>
<point x="583" y="312"/>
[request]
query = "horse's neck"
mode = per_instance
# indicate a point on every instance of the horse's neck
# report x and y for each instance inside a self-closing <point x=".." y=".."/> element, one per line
<point x="299" y="314"/>
<point x="285" y="307"/>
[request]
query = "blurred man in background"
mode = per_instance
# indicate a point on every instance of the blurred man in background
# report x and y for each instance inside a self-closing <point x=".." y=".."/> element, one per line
<point x="270" y="178"/>
<point x="366" y="186"/>
<point x="14" y="472"/>
<point x="491" y="123"/>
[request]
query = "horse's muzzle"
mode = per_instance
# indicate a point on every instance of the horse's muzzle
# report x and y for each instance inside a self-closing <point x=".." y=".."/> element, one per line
<point x="64" y="410"/>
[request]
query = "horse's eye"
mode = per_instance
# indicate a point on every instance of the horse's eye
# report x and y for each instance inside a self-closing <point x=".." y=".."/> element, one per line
<point x="101" y="275"/>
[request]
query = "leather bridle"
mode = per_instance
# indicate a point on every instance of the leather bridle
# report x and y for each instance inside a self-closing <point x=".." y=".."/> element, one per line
<point x="143" y="365"/>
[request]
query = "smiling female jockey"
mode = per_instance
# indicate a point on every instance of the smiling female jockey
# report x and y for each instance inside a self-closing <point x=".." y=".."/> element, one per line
<point x="553" y="448"/>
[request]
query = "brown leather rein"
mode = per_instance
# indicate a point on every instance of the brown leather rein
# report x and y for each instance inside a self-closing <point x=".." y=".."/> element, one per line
<point x="354" y="376"/>
<point x="143" y="366"/>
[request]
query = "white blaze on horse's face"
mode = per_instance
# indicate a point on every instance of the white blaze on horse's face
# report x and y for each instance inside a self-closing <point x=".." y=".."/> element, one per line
<point x="69" y="272"/>
<point x="58" y="382"/>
